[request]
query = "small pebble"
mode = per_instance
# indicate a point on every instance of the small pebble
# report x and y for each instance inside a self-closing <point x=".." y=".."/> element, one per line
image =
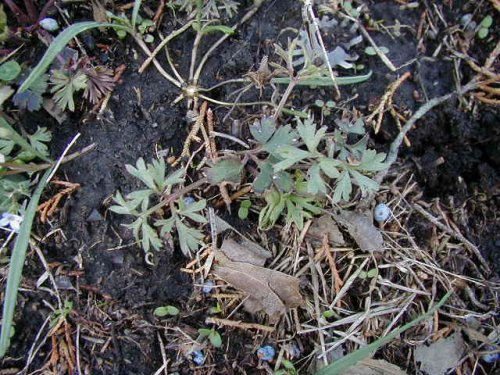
<point x="208" y="287"/>
<point x="95" y="216"/>
<point x="188" y="201"/>
<point x="198" y="357"/>
<point x="49" y="24"/>
<point x="491" y="358"/>
<point x="381" y="213"/>
<point x="266" y="353"/>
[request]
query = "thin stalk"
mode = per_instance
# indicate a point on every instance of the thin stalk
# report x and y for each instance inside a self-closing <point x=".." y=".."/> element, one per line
<point x="227" y="82"/>
<point x="246" y="17"/>
<point x="158" y="66"/>
<point x="172" y="66"/>
<point x="170" y="198"/>
<point x="234" y="104"/>
<point x="163" y="43"/>
<point x="284" y="98"/>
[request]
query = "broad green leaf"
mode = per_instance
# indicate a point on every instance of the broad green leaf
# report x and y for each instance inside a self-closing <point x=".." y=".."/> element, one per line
<point x="58" y="45"/>
<point x="225" y="170"/>
<point x="291" y="155"/>
<point x="166" y="310"/>
<point x="264" y="178"/>
<point x="315" y="183"/>
<point x="366" y="184"/>
<point x="343" y="189"/>
<point x="283" y="181"/>
<point x="329" y="167"/>
<point x="9" y="71"/>
<point x="372" y="161"/>
<point x="483" y="33"/>
<point x="263" y="130"/>
<point x="284" y="135"/>
<point x="215" y="339"/>
<point x="204" y="332"/>
<point x="309" y="135"/>
<point x="486" y="22"/>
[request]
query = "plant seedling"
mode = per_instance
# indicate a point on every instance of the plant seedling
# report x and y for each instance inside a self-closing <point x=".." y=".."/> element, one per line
<point x="483" y="28"/>
<point x="212" y="335"/>
<point x="166" y="311"/>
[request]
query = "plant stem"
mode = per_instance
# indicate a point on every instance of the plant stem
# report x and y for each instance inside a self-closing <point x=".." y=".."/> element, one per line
<point x="284" y="98"/>
<point x="234" y="104"/>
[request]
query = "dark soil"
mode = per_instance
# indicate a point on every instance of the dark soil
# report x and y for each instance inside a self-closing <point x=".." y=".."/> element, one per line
<point x="118" y="290"/>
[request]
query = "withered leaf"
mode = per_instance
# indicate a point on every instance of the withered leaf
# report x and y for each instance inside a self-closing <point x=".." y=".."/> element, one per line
<point x="442" y="355"/>
<point x="269" y="290"/>
<point x="374" y="367"/>
<point x="325" y="224"/>
<point x="360" y="227"/>
<point x="245" y="251"/>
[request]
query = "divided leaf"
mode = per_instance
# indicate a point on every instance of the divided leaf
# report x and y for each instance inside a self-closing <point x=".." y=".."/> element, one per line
<point x="189" y="238"/>
<point x="284" y="135"/>
<point x="372" y="161"/>
<point x="291" y="155"/>
<point x="225" y="170"/>
<point x="65" y="86"/>
<point x="263" y="130"/>
<point x="315" y="184"/>
<point x="308" y="133"/>
<point x="343" y="189"/>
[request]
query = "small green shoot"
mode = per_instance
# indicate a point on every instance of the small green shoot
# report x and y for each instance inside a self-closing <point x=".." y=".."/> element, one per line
<point x="213" y="336"/>
<point x="244" y="209"/>
<point x="483" y="28"/>
<point x="166" y="311"/>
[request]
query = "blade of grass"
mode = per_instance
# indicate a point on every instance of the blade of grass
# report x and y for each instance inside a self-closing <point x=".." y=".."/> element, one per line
<point x="351" y="359"/>
<point x="324" y="81"/>
<point x="10" y="133"/>
<point x="135" y="12"/>
<point x="58" y="45"/>
<point x="17" y="263"/>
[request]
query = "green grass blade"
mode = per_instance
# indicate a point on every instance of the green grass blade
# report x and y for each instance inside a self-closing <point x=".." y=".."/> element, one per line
<point x="58" y="45"/>
<point x="17" y="263"/>
<point x="325" y="81"/>
<point x="135" y="12"/>
<point x="351" y="359"/>
<point x="7" y="131"/>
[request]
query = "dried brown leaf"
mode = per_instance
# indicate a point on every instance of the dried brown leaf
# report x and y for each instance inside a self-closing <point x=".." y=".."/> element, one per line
<point x="245" y="251"/>
<point x="360" y="227"/>
<point x="442" y="355"/>
<point x="374" y="367"/>
<point x="268" y="290"/>
<point x="325" y="224"/>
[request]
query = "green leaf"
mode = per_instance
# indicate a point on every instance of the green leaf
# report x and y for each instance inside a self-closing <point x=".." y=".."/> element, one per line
<point x="243" y="212"/>
<point x="329" y="167"/>
<point x="341" y="365"/>
<point x="264" y="178"/>
<point x="328" y="314"/>
<point x="343" y="189"/>
<point x="141" y="172"/>
<point x="58" y="45"/>
<point x="17" y="262"/>
<point x="215" y="339"/>
<point x="204" y="332"/>
<point x="315" y="183"/>
<point x="8" y="132"/>
<point x="189" y="238"/>
<point x="190" y="210"/>
<point x="308" y="133"/>
<point x="291" y="155"/>
<point x="483" y="33"/>
<point x="176" y="177"/>
<point x="135" y="12"/>
<point x="372" y="161"/>
<point x="366" y="184"/>
<point x="166" y="310"/>
<point x="65" y="86"/>
<point x="263" y="130"/>
<point x="225" y="170"/>
<point x="213" y="28"/>
<point x="324" y="81"/>
<point x="486" y="22"/>
<point x="166" y="225"/>
<point x="4" y="28"/>
<point x="149" y="237"/>
<point x="284" y="135"/>
<point x="372" y="273"/>
<point x="283" y="181"/>
<point x="9" y="70"/>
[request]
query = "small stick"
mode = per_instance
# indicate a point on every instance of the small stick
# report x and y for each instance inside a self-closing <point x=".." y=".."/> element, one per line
<point x="239" y="324"/>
